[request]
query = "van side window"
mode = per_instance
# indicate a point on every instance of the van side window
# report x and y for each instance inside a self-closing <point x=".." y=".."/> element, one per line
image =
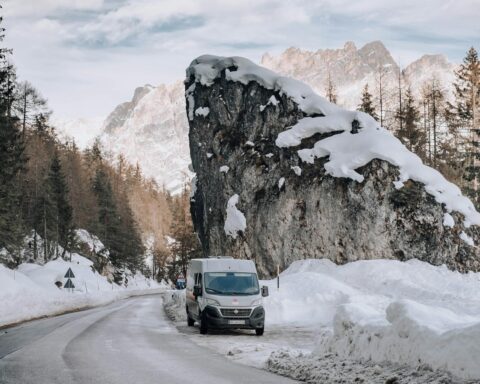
<point x="198" y="278"/>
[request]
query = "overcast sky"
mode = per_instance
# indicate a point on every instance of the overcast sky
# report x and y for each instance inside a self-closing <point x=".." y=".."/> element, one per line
<point x="87" y="56"/>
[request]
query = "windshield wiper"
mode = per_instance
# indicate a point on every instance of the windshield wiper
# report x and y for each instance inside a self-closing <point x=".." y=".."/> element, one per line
<point x="213" y="290"/>
<point x="242" y="293"/>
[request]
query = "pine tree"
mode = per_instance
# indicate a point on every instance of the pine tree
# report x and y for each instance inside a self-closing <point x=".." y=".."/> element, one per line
<point x="186" y="245"/>
<point x="58" y="189"/>
<point x="12" y="159"/>
<point x="464" y="116"/>
<point x="367" y="103"/>
<point x="108" y="219"/>
<point x="434" y="118"/>
<point x="410" y="133"/>
<point x="330" y="90"/>
<point x="381" y="73"/>
<point x="28" y="105"/>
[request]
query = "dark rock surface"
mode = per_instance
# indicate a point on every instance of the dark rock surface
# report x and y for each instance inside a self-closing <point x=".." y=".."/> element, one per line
<point x="313" y="215"/>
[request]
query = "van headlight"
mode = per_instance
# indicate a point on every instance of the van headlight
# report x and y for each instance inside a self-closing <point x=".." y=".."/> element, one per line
<point x="256" y="302"/>
<point x="212" y="302"/>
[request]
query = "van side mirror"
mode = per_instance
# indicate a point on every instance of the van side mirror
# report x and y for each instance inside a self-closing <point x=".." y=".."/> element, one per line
<point x="197" y="290"/>
<point x="264" y="291"/>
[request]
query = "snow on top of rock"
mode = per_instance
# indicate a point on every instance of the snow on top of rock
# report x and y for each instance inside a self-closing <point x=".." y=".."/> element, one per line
<point x="297" y="170"/>
<point x="193" y="187"/>
<point x="272" y="101"/>
<point x="235" y="221"/>
<point x="202" y="111"/>
<point x="348" y="150"/>
<point x="467" y="239"/>
<point x="448" y="220"/>
<point x="93" y="242"/>
<point x="224" y="168"/>
<point x="205" y="69"/>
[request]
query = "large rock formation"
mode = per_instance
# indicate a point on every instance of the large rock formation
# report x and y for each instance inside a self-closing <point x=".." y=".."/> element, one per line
<point x="283" y="204"/>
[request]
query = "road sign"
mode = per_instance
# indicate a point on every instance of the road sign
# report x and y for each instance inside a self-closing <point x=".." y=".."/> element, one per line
<point x="69" y="274"/>
<point x="69" y="284"/>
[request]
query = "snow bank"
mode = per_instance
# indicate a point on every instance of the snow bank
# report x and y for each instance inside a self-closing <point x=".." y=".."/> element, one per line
<point x="174" y="304"/>
<point x="350" y="149"/>
<point x="30" y="291"/>
<point x="404" y="312"/>
<point x="235" y="221"/>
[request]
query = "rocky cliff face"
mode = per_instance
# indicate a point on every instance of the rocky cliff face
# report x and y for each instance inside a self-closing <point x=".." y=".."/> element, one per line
<point x="259" y="195"/>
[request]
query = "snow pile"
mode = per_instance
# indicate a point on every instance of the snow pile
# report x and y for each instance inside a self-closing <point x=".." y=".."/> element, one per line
<point x="235" y="221"/>
<point x="93" y="243"/>
<point x="404" y="312"/>
<point x="30" y="291"/>
<point x="174" y="304"/>
<point x="359" y="140"/>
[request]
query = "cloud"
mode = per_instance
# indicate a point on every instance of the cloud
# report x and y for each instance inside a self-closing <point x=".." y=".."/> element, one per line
<point x="68" y="47"/>
<point x="41" y="8"/>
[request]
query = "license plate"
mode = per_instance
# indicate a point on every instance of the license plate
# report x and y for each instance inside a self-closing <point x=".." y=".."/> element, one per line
<point x="236" y="322"/>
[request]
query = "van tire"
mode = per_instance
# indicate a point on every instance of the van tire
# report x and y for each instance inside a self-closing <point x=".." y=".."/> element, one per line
<point x="203" y="324"/>
<point x="190" y="321"/>
<point x="259" y="331"/>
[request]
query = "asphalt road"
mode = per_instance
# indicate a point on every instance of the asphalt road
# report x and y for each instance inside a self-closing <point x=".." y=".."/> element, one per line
<point x="131" y="341"/>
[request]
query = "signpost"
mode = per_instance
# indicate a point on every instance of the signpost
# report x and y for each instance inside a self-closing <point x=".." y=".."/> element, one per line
<point x="69" y="285"/>
<point x="278" y="277"/>
<point x="69" y="275"/>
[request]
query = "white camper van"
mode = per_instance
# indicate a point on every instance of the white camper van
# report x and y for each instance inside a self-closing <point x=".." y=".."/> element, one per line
<point x="223" y="292"/>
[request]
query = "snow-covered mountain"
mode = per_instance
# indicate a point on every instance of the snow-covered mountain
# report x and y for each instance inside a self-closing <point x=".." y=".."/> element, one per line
<point x="152" y="128"/>
<point x="351" y="68"/>
<point x="83" y="130"/>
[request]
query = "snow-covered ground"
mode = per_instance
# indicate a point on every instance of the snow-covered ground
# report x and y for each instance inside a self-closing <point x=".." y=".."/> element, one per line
<point x="398" y="318"/>
<point x="30" y="291"/>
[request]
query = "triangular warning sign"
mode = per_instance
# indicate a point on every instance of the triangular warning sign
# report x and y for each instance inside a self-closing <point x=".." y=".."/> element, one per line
<point x="69" y="284"/>
<point x="69" y="274"/>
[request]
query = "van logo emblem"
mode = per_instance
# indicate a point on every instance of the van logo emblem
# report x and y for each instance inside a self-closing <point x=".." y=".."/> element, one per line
<point x="235" y="311"/>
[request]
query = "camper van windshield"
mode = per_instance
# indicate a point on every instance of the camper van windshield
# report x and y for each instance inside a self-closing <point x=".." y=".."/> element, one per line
<point x="231" y="283"/>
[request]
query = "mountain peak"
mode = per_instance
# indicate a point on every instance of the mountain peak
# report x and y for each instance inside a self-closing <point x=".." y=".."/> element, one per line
<point x="350" y="46"/>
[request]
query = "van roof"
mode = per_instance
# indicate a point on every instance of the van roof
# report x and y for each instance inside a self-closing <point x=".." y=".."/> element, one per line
<point x="224" y="264"/>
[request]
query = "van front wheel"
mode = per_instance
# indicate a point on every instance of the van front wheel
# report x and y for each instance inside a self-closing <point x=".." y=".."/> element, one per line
<point x="259" y="331"/>
<point x="204" y="324"/>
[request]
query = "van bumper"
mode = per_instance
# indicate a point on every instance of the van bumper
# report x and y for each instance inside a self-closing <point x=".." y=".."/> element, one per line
<point x="216" y="320"/>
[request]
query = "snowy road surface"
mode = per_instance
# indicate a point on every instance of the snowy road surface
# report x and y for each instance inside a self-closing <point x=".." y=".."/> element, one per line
<point x="130" y="341"/>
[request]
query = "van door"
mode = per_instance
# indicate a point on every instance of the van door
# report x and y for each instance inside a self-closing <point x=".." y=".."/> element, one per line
<point x="196" y="304"/>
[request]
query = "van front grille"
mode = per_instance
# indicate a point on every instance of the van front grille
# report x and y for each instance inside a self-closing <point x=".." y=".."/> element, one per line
<point x="235" y="312"/>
